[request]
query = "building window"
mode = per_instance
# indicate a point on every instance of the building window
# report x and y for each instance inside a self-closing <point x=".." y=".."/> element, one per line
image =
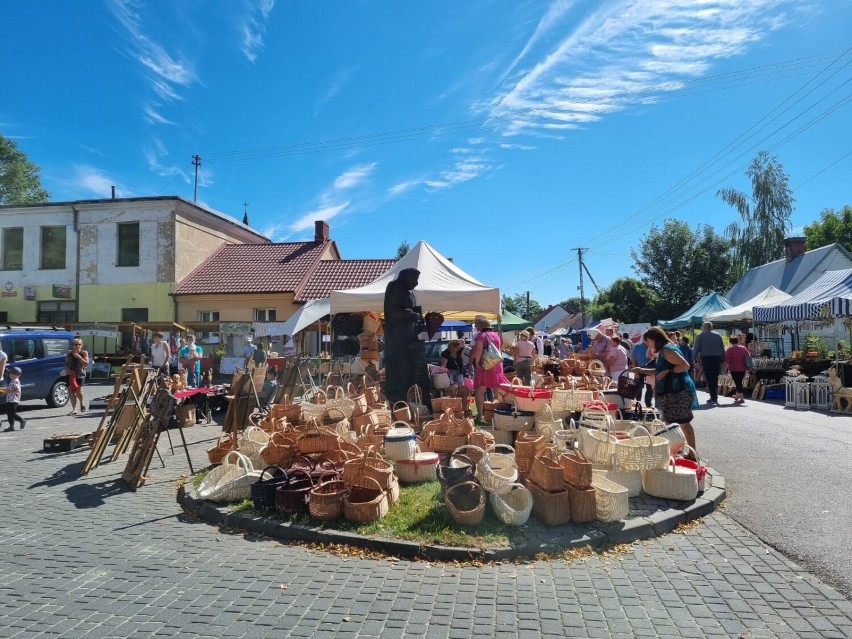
<point x="208" y="316"/>
<point x="13" y="249"/>
<point x="264" y="315"/>
<point x="52" y="247"/>
<point x="57" y="312"/>
<point x="134" y="315"/>
<point x="128" y="244"/>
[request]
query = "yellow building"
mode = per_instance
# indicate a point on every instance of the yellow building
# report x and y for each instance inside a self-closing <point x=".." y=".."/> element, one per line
<point x="113" y="261"/>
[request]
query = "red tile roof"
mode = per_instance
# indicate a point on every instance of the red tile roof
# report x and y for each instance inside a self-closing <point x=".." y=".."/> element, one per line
<point x="254" y="268"/>
<point x="335" y="275"/>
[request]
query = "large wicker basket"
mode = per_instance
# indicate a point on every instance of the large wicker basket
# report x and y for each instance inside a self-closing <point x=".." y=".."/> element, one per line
<point x="465" y="501"/>
<point x="365" y="504"/>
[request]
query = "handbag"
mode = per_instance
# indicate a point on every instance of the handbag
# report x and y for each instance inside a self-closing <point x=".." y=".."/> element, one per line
<point x="490" y="355"/>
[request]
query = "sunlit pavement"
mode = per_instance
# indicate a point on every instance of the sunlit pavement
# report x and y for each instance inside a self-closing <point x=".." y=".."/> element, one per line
<point x="87" y="557"/>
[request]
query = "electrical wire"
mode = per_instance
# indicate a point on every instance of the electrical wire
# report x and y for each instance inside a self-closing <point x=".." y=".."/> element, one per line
<point x="823" y="170"/>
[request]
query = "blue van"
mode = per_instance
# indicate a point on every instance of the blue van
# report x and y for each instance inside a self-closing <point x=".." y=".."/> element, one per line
<point x="39" y="351"/>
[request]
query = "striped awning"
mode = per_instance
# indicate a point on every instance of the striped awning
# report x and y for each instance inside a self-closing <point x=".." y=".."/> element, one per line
<point x="830" y="296"/>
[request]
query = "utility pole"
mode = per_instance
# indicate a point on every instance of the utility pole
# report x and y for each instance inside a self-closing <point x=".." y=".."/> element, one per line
<point x="528" y="305"/>
<point x="582" y="297"/>
<point x="196" y="160"/>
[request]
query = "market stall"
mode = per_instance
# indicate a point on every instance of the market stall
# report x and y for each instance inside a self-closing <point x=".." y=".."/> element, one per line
<point x="694" y="317"/>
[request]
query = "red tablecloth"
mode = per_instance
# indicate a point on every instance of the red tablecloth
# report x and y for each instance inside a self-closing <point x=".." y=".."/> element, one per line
<point x="212" y="391"/>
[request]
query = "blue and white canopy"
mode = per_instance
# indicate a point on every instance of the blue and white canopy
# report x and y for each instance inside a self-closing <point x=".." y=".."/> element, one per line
<point x="830" y="296"/>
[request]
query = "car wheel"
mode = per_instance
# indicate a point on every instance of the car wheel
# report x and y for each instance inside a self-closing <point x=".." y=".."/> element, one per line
<point x="58" y="396"/>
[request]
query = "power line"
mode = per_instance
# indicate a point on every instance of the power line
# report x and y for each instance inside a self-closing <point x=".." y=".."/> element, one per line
<point x="823" y="170"/>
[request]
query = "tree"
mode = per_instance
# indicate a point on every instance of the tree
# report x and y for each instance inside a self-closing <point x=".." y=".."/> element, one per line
<point x="832" y="227"/>
<point x="765" y="215"/>
<point x="19" y="177"/>
<point x="680" y="265"/>
<point x="572" y="304"/>
<point x="402" y="250"/>
<point x="517" y="304"/>
<point x="627" y="300"/>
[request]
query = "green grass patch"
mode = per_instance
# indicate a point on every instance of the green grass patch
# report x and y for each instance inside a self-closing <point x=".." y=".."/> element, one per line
<point x="198" y="477"/>
<point x="419" y="516"/>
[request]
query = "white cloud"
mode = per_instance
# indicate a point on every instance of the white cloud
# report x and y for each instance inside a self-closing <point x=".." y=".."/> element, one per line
<point x="326" y="213"/>
<point x="253" y="29"/>
<point x="620" y="54"/>
<point x="401" y="187"/>
<point x="340" y="80"/>
<point x="354" y="176"/>
<point x="95" y="182"/>
<point x="153" y="116"/>
<point x="166" y="72"/>
<point x="519" y="147"/>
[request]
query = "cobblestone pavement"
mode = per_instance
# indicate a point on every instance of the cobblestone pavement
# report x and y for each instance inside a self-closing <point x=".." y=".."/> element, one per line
<point x="87" y="557"/>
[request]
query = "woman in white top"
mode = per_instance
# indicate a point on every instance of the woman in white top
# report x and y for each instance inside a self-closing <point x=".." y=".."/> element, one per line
<point x="160" y="353"/>
<point x="523" y="357"/>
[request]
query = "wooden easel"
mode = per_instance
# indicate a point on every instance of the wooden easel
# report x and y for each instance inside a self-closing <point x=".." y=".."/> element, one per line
<point x="146" y="442"/>
<point x="109" y="420"/>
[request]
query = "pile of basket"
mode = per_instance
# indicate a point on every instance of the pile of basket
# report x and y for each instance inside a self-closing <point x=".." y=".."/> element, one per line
<point x="367" y="362"/>
<point x="472" y="477"/>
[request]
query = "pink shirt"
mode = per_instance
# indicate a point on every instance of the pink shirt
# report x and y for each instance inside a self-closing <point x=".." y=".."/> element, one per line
<point x="735" y="358"/>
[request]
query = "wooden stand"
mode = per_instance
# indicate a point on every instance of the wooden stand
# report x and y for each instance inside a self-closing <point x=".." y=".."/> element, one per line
<point x="146" y="442"/>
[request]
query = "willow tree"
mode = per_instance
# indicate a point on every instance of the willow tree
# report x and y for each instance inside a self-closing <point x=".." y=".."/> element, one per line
<point x="758" y="237"/>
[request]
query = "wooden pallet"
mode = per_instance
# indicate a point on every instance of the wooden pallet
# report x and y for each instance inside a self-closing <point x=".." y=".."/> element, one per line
<point x="65" y="443"/>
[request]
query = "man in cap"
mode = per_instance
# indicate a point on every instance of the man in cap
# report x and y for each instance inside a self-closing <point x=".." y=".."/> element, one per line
<point x="600" y="343"/>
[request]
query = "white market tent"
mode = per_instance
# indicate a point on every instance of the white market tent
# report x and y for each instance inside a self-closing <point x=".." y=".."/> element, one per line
<point x="829" y="296"/>
<point x="312" y="311"/>
<point x="742" y="312"/>
<point x="443" y="288"/>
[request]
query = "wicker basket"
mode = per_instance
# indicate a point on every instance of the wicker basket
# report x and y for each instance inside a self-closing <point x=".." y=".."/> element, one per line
<point x="583" y="504"/>
<point x="611" y="502"/>
<point x="527" y="398"/>
<point x="326" y="499"/>
<point x="495" y="470"/>
<point x="512" y="504"/>
<point x="401" y="412"/>
<point x="456" y="468"/>
<point x="316" y="440"/>
<point x="441" y="404"/>
<point x="528" y="446"/>
<point x="365" y="504"/>
<point x="263" y="490"/>
<point x="630" y="479"/>
<point x="546" y="471"/>
<point x="292" y="496"/>
<point x="370" y="468"/>
<point x="400" y="442"/>
<point x="367" y="418"/>
<point x="278" y="451"/>
<point x="512" y="420"/>
<point x="439" y="381"/>
<point x="234" y="464"/>
<point x="641" y="451"/>
<point x="224" y="444"/>
<point x="422" y="467"/>
<point x="597" y="445"/>
<point x="576" y="469"/>
<point x="673" y="434"/>
<point x="551" y="508"/>
<point x="672" y="482"/>
<point x="465" y="501"/>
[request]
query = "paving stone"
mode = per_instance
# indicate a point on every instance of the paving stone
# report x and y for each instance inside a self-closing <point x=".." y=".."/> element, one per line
<point x="103" y="561"/>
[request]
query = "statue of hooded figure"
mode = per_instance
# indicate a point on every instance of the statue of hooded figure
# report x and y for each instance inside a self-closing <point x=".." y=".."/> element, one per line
<point x="405" y="352"/>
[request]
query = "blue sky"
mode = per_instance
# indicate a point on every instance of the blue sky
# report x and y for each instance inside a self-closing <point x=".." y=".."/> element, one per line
<point x="503" y="133"/>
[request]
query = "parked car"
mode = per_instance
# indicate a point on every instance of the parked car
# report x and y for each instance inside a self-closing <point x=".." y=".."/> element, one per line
<point x="39" y="351"/>
<point x="438" y="346"/>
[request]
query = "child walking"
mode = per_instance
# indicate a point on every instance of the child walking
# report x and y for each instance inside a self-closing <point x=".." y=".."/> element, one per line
<point x="13" y="398"/>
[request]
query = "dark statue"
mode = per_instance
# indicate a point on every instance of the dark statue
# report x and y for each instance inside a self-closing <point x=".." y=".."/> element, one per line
<point x="405" y="352"/>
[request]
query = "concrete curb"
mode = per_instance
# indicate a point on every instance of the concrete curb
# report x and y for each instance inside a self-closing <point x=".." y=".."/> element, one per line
<point x="541" y="540"/>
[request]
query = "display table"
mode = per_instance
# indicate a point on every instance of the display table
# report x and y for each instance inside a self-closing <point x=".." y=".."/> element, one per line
<point x="205" y="399"/>
<point x="810" y="366"/>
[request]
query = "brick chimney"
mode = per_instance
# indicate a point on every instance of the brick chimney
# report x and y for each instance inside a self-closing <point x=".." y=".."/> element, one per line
<point x="320" y="231"/>
<point x="794" y="247"/>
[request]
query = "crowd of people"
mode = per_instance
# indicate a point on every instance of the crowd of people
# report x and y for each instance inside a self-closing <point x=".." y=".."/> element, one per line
<point x="668" y="365"/>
